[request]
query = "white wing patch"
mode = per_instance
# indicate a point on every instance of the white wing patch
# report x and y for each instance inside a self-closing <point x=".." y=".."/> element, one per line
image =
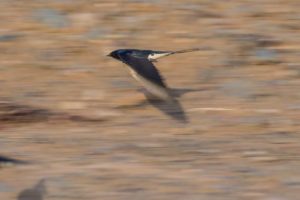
<point x="155" y="56"/>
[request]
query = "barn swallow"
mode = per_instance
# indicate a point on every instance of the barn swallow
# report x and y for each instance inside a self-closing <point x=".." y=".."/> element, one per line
<point x="141" y="67"/>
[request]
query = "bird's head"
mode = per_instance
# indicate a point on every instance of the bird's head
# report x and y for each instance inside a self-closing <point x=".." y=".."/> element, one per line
<point x="114" y="54"/>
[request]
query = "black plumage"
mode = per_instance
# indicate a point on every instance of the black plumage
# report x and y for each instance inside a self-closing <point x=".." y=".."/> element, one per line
<point x="142" y="68"/>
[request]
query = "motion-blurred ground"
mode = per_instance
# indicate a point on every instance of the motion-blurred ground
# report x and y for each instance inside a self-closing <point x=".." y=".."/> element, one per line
<point x="83" y="126"/>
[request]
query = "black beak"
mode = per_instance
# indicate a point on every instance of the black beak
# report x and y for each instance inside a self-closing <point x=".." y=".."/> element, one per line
<point x="108" y="55"/>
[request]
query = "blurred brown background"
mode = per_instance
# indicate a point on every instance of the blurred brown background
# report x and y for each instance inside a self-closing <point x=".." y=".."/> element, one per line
<point x="83" y="125"/>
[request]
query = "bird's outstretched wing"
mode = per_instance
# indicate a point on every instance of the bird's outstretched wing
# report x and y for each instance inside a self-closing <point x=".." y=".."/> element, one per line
<point x="143" y="67"/>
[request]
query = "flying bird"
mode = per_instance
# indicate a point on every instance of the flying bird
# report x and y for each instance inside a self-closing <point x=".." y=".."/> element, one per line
<point x="141" y="67"/>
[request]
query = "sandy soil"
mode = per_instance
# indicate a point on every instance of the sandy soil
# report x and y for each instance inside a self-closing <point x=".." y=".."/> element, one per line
<point x="84" y="126"/>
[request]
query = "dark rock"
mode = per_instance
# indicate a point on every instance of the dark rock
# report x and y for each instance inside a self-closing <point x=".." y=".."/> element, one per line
<point x="9" y="37"/>
<point x="20" y="113"/>
<point x="4" y="159"/>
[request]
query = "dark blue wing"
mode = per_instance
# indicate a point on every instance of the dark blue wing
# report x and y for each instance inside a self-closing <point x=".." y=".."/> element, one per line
<point x="143" y="67"/>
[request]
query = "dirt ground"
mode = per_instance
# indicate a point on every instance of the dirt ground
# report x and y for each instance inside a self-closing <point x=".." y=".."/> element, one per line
<point x="80" y="127"/>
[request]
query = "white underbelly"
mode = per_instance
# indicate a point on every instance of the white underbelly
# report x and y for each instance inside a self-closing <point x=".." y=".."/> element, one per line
<point x="155" y="89"/>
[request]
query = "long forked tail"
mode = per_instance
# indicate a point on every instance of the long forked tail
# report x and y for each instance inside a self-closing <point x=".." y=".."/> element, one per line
<point x="153" y="58"/>
<point x="186" y="50"/>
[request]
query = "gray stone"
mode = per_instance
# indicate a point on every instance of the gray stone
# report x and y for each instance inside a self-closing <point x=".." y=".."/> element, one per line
<point x="97" y="33"/>
<point x="262" y="55"/>
<point x="51" y="17"/>
<point x="58" y="1"/>
<point x="4" y="188"/>
<point x="240" y="89"/>
<point x="121" y="84"/>
<point x="9" y="37"/>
